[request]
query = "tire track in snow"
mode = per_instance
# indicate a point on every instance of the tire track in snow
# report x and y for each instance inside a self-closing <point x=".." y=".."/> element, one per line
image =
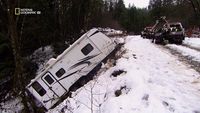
<point x="189" y="60"/>
<point x="191" y="47"/>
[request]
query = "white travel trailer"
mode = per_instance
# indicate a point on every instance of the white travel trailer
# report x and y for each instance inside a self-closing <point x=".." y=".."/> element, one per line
<point x="75" y="62"/>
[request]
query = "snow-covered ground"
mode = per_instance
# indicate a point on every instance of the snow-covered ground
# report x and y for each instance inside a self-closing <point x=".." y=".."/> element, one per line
<point x="110" y="32"/>
<point x="154" y="81"/>
<point x="11" y="106"/>
<point x="193" y="42"/>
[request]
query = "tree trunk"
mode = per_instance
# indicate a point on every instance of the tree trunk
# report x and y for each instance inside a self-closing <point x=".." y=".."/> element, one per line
<point x="193" y="6"/>
<point x="18" y="78"/>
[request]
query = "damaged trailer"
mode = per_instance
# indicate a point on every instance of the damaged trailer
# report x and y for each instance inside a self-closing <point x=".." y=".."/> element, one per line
<point x="75" y="62"/>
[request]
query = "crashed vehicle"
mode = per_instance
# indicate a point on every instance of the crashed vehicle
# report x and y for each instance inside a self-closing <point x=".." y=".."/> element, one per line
<point x="76" y="63"/>
<point x="165" y="32"/>
<point x="170" y="32"/>
<point x="176" y="34"/>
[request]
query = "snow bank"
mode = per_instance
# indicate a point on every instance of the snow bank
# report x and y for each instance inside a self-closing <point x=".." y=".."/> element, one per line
<point x="110" y="32"/>
<point x="153" y="82"/>
<point x="193" y="42"/>
<point x="41" y="56"/>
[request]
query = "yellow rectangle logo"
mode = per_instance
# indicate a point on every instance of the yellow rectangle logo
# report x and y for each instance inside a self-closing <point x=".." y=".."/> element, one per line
<point x="17" y="11"/>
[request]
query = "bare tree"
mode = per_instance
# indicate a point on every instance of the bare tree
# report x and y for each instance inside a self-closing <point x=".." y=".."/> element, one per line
<point x="196" y="6"/>
<point x="15" y="39"/>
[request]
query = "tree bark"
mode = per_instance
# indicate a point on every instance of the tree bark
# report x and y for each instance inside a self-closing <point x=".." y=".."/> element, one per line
<point x="198" y="5"/>
<point x="193" y="6"/>
<point x="18" y="78"/>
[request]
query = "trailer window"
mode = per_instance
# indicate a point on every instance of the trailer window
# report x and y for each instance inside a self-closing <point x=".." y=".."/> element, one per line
<point x="60" y="72"/>
<point x="38" y="88"/>
<point x="49" y="79"/>
<point x="87" y="49"/>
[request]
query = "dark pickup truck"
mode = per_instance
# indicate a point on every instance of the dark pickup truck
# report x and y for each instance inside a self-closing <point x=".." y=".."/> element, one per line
<point x="171" y="32"/>
<point x="176" y="34"/>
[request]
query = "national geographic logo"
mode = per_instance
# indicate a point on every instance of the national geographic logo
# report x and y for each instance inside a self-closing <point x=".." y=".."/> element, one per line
<point x="17" y="11"/>
<point x="26" y="11"/>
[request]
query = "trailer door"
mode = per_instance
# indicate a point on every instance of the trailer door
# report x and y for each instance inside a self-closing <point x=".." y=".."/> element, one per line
<point x="55" y="88"/>
<point x="53" y="84"/>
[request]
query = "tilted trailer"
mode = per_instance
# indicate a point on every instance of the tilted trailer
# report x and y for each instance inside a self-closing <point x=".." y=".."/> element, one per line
<point x="75" y="62"/>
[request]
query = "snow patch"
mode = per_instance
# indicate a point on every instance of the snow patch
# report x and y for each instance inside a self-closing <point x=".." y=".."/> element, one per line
<point x="193" y="42"/>
<point x="111" y="32"/>
<point x="41" y="56"/>
<point x="11" y="106"/>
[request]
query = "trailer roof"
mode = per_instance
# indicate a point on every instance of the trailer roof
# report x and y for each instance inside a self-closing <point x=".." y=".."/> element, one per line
<point x="59" y="57"/>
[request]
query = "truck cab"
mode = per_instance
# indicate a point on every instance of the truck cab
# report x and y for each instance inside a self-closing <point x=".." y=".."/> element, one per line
<point x="177" y="33"/>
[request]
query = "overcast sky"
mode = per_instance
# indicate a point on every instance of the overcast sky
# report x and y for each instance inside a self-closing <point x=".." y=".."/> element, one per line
<point x="137" y="3"/>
